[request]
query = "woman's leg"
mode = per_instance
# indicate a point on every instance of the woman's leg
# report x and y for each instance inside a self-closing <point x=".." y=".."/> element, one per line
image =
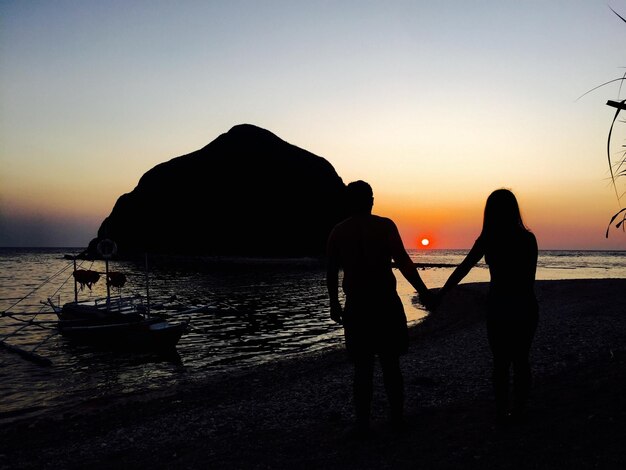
<point x="522" y="375"/>
<point x="497" y="334"/>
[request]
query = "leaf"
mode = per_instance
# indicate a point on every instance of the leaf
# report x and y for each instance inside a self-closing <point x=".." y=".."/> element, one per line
<point x="621" y="79"/>
<point x="608" y="146"/>
<point x="621" y="17"/>
<point x="612" y="219"/>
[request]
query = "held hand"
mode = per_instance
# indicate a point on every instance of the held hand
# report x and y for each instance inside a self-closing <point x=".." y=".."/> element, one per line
<point x="429" y="300"/>
<point x="336" y="312"/>
<point x="437" y="297"/>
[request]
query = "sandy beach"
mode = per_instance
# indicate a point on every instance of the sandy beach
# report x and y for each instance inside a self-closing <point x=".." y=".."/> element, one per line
<point x="295" y="413"/>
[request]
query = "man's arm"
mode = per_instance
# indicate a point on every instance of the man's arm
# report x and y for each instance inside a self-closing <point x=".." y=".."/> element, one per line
<point x="405" y="264"/>
<point x="332" y="280"/>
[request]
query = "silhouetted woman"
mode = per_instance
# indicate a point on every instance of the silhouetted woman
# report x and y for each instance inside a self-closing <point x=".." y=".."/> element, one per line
<point x="510" y="250"/>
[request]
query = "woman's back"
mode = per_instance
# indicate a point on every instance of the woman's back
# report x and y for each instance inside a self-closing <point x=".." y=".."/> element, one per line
<point x="512" y="260"/>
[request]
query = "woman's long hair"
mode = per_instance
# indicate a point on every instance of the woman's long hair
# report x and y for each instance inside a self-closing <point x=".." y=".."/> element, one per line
<point x="502" y="216"/>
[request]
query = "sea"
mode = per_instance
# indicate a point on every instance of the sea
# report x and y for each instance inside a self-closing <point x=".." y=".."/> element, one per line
<point x="248" y="312"/>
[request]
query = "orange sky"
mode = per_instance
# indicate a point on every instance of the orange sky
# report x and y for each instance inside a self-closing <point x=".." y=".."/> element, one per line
<point x="432" y="103"/>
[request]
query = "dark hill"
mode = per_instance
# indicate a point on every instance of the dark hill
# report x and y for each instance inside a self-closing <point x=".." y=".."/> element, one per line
<point x="246" y="193"/>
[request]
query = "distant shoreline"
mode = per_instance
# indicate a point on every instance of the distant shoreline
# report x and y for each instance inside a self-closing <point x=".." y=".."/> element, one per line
<point x="417" y="249"/>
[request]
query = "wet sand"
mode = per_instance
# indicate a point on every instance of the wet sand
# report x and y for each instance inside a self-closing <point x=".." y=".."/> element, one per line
<point x="296" y="413"/>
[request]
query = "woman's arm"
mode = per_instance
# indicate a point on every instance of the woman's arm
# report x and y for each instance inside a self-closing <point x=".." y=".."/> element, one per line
<point x="473" y="257"/>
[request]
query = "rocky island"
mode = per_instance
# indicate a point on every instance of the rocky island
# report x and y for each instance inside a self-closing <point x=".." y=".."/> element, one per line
<point x="247" y="193"/>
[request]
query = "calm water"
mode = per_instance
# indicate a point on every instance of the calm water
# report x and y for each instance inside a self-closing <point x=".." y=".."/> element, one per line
<point x="253" y="314"/>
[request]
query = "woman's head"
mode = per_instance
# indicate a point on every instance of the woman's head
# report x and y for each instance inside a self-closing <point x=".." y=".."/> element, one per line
<point x="502" y="213"/>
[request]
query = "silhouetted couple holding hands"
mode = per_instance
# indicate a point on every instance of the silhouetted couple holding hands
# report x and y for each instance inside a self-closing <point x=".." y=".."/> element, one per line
<point x="364" y="246"/>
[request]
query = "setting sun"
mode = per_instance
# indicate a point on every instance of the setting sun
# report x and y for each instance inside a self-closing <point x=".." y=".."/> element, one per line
<point x="425" y="242"/>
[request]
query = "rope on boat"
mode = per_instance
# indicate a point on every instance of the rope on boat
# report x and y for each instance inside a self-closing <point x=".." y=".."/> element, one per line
<point x="46" y="325"/>
<point x="63" y="283"/>
<point x="51" y="335"/>
<point x="17" y="330"/>
<point x="39" y="286"/>
<point x="29" y="322"/>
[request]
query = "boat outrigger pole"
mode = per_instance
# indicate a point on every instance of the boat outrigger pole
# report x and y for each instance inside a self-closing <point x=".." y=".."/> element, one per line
<point x="31" y="356"/>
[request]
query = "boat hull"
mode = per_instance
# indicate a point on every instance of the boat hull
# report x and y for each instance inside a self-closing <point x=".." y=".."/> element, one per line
<point x="149" y="334"/>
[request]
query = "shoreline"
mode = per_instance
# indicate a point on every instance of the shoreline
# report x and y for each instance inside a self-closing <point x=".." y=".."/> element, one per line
<point x="295" y="412"/>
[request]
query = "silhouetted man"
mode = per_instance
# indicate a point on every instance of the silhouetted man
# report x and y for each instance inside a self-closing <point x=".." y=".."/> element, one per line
<point x="364" y="246"/>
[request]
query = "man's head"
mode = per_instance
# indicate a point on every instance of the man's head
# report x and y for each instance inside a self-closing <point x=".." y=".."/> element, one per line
<point x="360" y="197"/>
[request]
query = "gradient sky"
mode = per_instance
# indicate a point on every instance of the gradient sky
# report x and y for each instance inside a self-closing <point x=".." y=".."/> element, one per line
<point x="434" y="103"/>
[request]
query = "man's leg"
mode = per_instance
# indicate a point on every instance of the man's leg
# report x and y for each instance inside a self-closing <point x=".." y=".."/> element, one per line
<point x="363" y="389"/>
<point x="394" y="386"/>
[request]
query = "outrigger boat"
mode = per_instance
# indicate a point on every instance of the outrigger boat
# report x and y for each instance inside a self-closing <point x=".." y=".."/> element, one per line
<point x="112" y="322"/>
<point x="115" y="322"/>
